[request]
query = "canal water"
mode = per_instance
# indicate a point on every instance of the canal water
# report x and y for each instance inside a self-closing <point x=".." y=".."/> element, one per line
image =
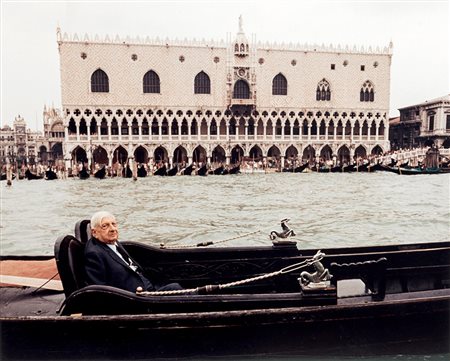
<point x="325" y="210"/>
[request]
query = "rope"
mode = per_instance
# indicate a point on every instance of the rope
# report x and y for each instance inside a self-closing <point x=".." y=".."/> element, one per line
<point x="212" y="288"/>
<point x="37" y="289"/>
<point x="207" y="243"/>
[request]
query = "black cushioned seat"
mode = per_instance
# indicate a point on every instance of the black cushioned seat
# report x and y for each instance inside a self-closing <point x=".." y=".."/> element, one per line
<point x="69" y="255"/>
<point x="83" y="230"/>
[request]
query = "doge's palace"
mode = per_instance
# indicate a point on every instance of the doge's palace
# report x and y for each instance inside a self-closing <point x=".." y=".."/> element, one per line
<point x="189" y="101"/>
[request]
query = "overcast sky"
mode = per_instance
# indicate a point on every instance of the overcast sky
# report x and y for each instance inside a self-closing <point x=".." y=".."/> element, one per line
<point x="30" y="72"/>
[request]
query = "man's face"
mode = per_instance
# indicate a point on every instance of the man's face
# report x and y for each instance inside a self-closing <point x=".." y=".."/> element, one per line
<point x="107" y="231"/>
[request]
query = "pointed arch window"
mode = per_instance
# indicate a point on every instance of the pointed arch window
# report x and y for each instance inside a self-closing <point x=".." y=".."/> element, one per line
<point x="241" y="90"/>
<point x="367" y="93"/>
<point x="279" y="85"/>
<point x="323" y="92"/>
<point x="99" y="82"/>
<point x="151" y="82"/>
<point x="202" y="83"/>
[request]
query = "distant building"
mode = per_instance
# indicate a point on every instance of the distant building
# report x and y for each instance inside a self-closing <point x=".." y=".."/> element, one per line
<point x="20" y="146"/>
<point x="422" y="125"/>
<point x="182" y="101"/>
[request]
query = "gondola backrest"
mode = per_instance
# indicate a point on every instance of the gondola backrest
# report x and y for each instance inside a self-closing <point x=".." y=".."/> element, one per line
<point x="372" y="273"/>
<point x="83" y="230"/>
<point x="69" y="255"/>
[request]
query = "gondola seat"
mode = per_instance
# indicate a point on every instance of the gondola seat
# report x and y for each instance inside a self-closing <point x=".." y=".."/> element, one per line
<point x="69" y="256"/>
<point x="372" y="273"/>
<point x="83" y="230"/>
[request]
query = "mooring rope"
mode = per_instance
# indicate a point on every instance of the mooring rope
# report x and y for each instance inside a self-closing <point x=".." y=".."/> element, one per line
<point x="37" y="289"/>
<point x="212" y="288"/>
<point x="207" y="243"/>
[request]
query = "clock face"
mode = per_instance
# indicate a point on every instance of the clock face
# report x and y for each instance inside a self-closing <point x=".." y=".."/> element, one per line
<point x="241" y="72"/>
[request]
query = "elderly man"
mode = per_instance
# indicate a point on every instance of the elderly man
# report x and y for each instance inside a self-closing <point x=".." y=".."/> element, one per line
<point x="107" y="262"/>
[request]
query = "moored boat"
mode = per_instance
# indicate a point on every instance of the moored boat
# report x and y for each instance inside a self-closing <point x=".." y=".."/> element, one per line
<point x="219" y="170"/>
<point x="50" y="175"/>
<point x="161" y="171"/>
<point x="235" y="170"/>
<point x="172" y="171"/>
<point x="203" y="170"/>
<point x="188" y="170"/>
<point x="100" y="173"/>
<point x="141" y="171"/>
<point x="32" y="176"/>
<point x="84" y="174"/>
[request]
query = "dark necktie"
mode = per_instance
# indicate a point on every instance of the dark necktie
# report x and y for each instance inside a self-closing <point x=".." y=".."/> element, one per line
<point x="124" y="254"/>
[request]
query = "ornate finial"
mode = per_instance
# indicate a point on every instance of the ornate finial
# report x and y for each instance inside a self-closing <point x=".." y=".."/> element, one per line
<point x="241" y="29"/>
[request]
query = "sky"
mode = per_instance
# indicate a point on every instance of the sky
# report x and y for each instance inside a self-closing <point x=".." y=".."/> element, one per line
<point x="30" y="73"/>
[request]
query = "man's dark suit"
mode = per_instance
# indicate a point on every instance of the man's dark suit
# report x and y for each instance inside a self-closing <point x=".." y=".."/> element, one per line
<point x="104" y="267"/>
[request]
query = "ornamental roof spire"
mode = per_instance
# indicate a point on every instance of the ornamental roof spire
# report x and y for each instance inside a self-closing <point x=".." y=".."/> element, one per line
<point x="241" y="46"/>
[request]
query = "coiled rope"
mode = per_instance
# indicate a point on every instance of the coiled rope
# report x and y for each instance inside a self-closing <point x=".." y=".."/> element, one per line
<point x="207" y="243"/>
<point x="213" y="288"/>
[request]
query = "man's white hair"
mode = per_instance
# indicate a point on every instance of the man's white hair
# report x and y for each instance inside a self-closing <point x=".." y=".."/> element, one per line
<point x="96" y="219"/>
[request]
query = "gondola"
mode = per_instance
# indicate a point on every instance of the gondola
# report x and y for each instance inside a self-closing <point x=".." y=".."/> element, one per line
<point x="397" y="291"/>
<point x="219" y="170"/>
<point x="50" y="175"/>
<point x="203" y="171"/>
<point x="188" y="170"/>
<point x="127" y="172"/>
<point x="100" y="173"/>
<point x="235" y="170"/>
<point x="162" y="171"/>
<point x="141" y="171"/>
<point x="172" y="171"/>
<point x="84" y="174"/>
<point x="416" y="171"/>
<point x="301" y="168"/>
<point x="405" y="164"/>
<point x="31" y="176"/>
<point x="362" y="168"/>
<point x="3" y="176"/>
<point x="374" y="167"/>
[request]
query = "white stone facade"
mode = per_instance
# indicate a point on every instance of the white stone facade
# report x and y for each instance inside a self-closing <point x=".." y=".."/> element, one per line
<point x="288" y="125"/>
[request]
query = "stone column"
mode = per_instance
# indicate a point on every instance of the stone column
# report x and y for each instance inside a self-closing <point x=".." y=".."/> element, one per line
<point x="77" y="125"/>
<point x="326" y="132"/>
<point x="99" y="132"/>
<point x="159" y="131"/>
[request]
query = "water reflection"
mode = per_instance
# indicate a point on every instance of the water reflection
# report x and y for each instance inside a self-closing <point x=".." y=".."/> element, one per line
<point x="325" y="209"/>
